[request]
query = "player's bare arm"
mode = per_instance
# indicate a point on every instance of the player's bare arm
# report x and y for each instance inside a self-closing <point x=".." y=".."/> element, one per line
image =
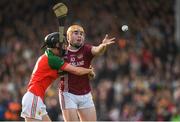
<point x="78" y="70"/>
<point x="98" y="50"/>
<point x="57" y="63"/>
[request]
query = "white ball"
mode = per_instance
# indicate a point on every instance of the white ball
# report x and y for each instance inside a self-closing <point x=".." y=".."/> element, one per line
<point x="124" y="28"/>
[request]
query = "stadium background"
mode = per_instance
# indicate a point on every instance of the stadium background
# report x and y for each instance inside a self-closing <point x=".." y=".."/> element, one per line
<point x="138" y="78"/>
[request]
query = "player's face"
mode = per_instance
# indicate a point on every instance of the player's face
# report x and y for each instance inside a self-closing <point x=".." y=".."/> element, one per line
<point x="56" y="50"/>
<point x="76" y="38"/>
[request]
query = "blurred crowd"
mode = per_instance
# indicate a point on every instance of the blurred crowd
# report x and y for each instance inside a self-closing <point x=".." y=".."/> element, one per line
<point x="138" y="78"/>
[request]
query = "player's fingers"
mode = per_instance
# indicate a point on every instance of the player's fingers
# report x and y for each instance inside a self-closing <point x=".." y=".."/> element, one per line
<point x="112" y="42"/>
<point x="109" y="43"/>
<point x="112" y="39"/>
<point x="106" y="36"/>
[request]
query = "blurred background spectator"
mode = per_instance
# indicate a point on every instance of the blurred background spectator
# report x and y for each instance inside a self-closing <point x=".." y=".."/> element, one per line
<point x="138" y="78"/>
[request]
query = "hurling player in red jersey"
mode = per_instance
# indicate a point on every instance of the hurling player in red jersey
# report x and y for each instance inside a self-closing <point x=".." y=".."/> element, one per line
<point x="45" y="72"/>
<point x="75" y="92"/>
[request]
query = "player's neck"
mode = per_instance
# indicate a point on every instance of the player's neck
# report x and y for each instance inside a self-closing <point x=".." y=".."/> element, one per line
<point x="73" y="47"/>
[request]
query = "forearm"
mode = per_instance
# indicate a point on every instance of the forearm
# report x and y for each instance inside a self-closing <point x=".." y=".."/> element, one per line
<point x="77" y="70"/>
<point x="99" y="50"/>
<point x="82" y="71"/>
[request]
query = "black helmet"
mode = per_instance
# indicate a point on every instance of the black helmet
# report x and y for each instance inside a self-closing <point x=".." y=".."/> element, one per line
<point x="51" y="40"/>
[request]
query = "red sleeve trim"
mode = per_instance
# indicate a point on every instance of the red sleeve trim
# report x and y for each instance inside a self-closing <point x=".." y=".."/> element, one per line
<point x="64" y="66"/>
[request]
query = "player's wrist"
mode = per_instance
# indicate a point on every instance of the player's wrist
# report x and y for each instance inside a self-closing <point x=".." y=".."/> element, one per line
<point x="103" y="46"/>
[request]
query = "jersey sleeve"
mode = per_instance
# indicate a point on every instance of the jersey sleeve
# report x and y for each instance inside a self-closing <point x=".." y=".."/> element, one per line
<point x="88" y="53"/>
<point x="54" y="61"/>
<point x="65" y="64"/>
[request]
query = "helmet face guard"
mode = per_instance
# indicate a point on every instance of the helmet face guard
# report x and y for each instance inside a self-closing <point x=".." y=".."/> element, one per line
<point x="61" y="48"/>
<point x="52" y="41"/>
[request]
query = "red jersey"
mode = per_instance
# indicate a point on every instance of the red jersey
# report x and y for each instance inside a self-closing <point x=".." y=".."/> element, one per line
<point x="44" y="73"/>
<point x="78" y="85"/>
